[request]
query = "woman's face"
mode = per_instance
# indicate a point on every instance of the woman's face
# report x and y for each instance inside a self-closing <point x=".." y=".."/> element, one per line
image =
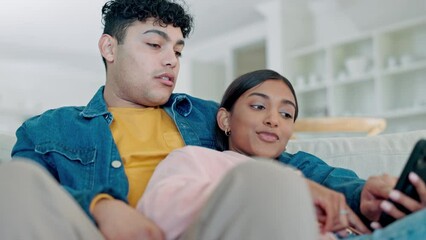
<point x="262" y="120"/>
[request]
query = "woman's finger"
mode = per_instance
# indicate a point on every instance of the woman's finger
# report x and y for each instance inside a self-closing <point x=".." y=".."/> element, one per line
<point x="420" y="186"/>
<point x="391" y="210"/>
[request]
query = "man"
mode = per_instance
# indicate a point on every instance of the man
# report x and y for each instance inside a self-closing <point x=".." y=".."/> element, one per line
<point x="84" y="148"/>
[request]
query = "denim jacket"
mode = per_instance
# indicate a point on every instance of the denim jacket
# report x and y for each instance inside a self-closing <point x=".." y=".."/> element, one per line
<point x="338" y="179"/>
<point x="76" y="146"/>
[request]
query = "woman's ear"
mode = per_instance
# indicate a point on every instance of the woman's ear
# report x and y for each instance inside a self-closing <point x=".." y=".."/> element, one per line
<point x="106" y="46"/>
<point x="222" y="118"/>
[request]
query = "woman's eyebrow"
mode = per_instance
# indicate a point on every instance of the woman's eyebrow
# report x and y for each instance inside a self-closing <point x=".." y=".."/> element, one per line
<point x="284" y="101"/>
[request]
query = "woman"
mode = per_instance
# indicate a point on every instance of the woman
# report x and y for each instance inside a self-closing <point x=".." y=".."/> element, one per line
<point x="255" y="119"/>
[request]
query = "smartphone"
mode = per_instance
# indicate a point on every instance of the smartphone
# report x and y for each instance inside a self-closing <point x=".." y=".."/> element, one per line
<point x="416" y="163"/>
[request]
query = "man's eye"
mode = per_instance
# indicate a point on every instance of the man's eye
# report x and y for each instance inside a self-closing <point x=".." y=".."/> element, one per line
<point x="178" y="54"/>
<point x="154" y="45"/>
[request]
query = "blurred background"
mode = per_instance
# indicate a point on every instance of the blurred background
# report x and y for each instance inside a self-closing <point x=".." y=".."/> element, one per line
<point x="344" y="57"/>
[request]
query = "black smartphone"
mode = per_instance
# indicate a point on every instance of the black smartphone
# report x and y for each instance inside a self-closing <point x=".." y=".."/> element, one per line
<point x="416" y="163"/>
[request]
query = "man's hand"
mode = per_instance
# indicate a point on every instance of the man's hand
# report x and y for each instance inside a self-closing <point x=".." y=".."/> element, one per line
<point x="332" y="211"/>
<point x="117" y="220"/>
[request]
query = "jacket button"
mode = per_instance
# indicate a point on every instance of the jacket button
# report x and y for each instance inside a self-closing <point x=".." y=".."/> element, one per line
<point x="116" y="164"/>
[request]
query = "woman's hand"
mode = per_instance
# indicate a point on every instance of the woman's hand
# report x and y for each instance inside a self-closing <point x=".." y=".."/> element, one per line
<point x="375" y="191"/>
<point x="404" y="200"/>
<point x="332" y="211"/>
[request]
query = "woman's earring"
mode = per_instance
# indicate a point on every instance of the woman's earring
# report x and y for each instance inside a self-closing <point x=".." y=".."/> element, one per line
<point x="228" y="132"/>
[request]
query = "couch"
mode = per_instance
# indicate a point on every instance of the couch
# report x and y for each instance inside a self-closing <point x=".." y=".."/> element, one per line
<point x="366" y="156"/>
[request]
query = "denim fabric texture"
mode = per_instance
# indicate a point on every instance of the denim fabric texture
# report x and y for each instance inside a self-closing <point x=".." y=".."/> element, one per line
<point x="76" y="146"/>
<point x="411" y="227"/>
<point x="338" y="179"/>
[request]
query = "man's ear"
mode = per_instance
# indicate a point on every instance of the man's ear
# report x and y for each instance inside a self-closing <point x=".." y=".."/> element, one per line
<point x="107" y="46"/>
<point x="223" y="119"/>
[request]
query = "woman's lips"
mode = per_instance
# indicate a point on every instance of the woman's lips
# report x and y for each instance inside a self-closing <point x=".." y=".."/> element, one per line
<point x="268" y="137"/>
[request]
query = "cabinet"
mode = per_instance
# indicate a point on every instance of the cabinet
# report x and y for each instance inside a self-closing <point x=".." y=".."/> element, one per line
<point x="380" y="73"/>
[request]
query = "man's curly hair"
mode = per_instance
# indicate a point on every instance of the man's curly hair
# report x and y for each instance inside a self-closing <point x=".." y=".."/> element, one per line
<point x="118" y="15"/>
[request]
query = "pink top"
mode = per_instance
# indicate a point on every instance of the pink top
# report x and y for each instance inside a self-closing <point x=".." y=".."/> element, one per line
<point x="180" y="185"/>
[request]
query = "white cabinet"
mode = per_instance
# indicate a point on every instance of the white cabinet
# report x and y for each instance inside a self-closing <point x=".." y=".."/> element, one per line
<point x="380" y="73"/>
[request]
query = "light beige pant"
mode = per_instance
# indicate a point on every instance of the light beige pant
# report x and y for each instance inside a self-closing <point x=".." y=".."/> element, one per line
<point x="34" y="206"/>
<point x="257" y="200"/>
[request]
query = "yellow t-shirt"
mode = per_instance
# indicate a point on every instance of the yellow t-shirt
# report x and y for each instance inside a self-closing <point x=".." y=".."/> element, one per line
<point x="144" y="137"/>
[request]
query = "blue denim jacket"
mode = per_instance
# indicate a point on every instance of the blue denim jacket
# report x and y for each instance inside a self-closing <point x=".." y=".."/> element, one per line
<point x="76" y="146"/>
<point x="338" y="179"/>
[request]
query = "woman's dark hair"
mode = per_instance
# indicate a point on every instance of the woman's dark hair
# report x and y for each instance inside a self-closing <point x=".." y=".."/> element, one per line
<point x="118" y="15"/>
<point x="241" y="85"/>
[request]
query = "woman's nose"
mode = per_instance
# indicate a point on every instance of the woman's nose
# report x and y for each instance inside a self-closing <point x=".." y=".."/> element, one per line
<point x="271" y="120"/>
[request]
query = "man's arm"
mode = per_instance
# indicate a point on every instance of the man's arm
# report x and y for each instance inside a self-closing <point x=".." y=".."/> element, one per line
<point x="117" y="220"/>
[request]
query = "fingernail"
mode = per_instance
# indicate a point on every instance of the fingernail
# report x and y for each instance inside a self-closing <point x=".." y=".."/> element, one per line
<point x="375" y="225"/>
<point x="413" y="177"/>
<point x="386" y="206"/>
<point x="394" y="195"/>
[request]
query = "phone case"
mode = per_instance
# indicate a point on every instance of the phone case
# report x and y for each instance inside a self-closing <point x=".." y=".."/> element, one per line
<point x="416" y="163"/>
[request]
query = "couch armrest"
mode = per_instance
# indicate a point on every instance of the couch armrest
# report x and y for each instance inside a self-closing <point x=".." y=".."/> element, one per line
<point x="6" y="144"/>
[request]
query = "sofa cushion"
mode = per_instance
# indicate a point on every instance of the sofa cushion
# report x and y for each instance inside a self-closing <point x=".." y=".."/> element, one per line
<point x="366" y="156"/>
<point x="6" y="143"/>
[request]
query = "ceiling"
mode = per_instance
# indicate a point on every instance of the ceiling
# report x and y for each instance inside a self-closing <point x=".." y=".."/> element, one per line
<point x="227" y="16"/>
<point x="30" y="28"/>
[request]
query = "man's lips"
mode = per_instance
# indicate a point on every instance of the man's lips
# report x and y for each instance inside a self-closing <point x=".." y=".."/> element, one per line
<point x="268" y="137"/>
<point x="166" y="79"/>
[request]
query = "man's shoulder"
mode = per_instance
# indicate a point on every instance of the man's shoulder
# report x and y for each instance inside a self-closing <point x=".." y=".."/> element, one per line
<point x="56" y="115"/>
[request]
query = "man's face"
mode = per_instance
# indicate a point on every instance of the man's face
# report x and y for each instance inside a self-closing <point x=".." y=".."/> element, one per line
<point x="143" y="69"/>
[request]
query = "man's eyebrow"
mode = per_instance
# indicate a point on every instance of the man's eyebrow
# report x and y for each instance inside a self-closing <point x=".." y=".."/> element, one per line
<point x="284" y="101"/>
<point x="165" y="36"/>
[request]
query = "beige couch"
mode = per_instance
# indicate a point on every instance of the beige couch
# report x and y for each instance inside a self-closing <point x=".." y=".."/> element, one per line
<point x="365" y="155"/>
<point x="6" y="143"/>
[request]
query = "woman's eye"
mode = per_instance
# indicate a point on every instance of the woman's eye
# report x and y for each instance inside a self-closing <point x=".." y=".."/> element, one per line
<point x="178" y="54"/>
<point x="257" y="107"/>
<point x="286" y="115"/>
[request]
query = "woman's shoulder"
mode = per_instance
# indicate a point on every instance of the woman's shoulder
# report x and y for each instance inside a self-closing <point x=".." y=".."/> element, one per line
<point x="299" y="157"/>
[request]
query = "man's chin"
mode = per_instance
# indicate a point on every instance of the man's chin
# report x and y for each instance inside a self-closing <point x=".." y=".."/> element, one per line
<point x="157" y="102"/>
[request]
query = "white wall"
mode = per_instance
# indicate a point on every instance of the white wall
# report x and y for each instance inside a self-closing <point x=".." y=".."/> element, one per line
<point x="48" y="56"/>
<point x="40" y="71"/>
<point x="290" y="24"/>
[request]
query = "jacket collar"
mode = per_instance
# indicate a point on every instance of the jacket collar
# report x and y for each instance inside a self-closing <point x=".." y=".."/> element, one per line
<point x="97" y="105"/>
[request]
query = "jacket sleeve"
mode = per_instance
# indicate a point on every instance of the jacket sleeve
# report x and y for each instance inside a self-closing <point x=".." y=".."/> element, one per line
<point x="339" y="179"/>
<point x="25" y="148"/>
